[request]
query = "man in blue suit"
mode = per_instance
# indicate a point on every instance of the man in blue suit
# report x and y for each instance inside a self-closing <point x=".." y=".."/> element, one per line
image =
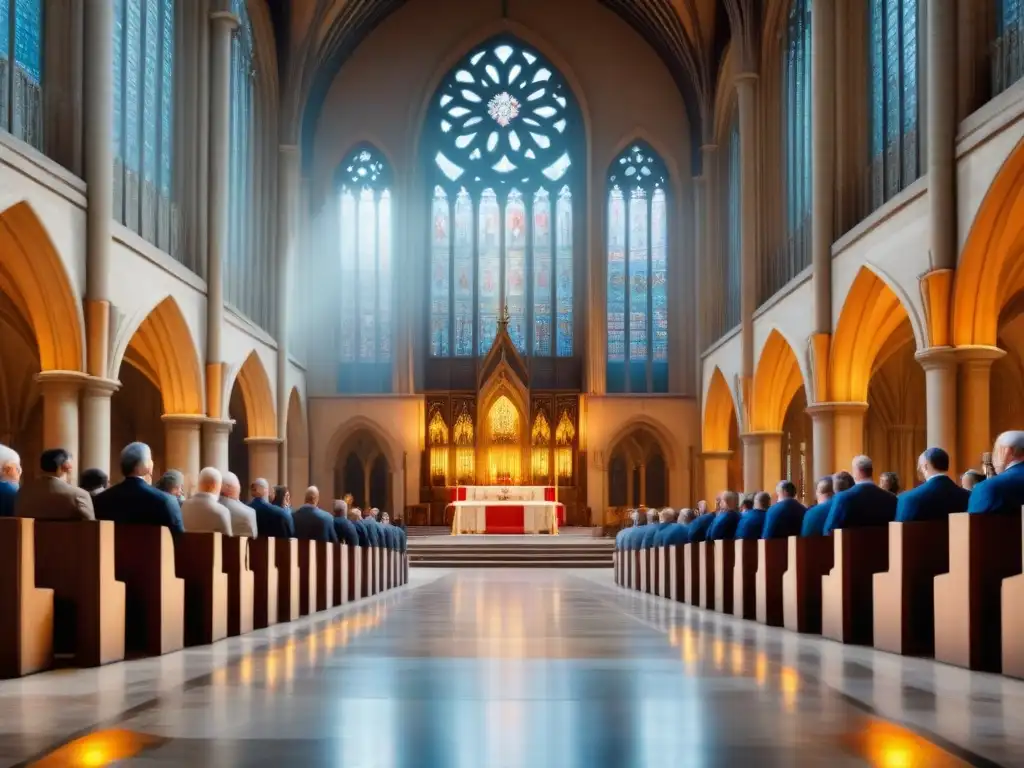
<point x="651" y="531"/>
<point x="343" y="527"/>
<point x="271" y="520"/>
<point x="786" y="516"/>
<point x="355" y="516"/>
<point x="814" y="518"/>
<point x="1004" y="493"/>
<point x="863" y="506"/>
<point x="10" y="480"/>
<point x="725" y="522"/>
<point x="134" y="500"/>
<point x="698" y="530"/>
<point x="752" y="521"/>
<point x="311" y="522"/>
<point x="620" y="537"/>
<point x="669" y="518"/>
<point x="372" y="529"/>
<point x="635" y="535"/>
<point x="938" y="497"/>
<point x="678" y="533"/>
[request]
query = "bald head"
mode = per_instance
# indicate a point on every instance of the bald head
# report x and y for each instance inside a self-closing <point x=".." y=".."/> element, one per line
<point x="730" y="500"/>
<point x="312" y="495"/>
<point x="210" y="481"/>
<point x="1008" y="450"/>
<point x="260" y="488"/>
<point x="230" y="487"/>
<point x="355" y="514"/>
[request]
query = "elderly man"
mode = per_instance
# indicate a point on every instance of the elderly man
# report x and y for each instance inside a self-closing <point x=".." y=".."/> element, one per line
<point x="1004" y="493"/>
<point x="814" y="518"/>
<point x="698" y="529"/>
<point x="203" y="512"/>
<point x="344" y="528"/>
<point x="51" y="497"/>
<point x="243" y="517"/>
<point x="271" y="519"/>
<point x="661" y="519"/>
<point x="134" y="501"/>
<point x="172" y="482"/>
<point x="311" y="522"/>
<point x="93" y="481"/>
<point x="355" y="516"/>
<point x="373" y="528"/>
<point x="668" y="518"/>
<point x="678" y="532"/>
<point x="863" y="506"/>
<point x="751" y="525"/>
<point x="971" y="478"/>
<point x="635" y="538"/>
<point x="938" y="497"/>
<point x="10" y="479"/>
<point x="786" y="516"/>
<point x="725" y="522"/>
<point x="620" y="537"/>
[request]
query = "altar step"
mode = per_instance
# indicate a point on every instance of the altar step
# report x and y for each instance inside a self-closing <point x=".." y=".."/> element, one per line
<point x="591" y="553"/>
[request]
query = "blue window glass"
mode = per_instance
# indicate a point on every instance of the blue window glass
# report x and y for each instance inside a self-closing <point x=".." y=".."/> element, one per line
<point x="118" y="81"/>
<point x="28" y="36"/>
<point x="150" y="118"/>
<point x="5" y="26"/>
<point x="132" y="84"/>
<point x="797" y="78"/>
<point x="167" y="97"/>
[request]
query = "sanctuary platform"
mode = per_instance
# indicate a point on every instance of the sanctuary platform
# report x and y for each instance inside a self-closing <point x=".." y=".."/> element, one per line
<point x="574" y="548"/>
<point x="506" y="509"/>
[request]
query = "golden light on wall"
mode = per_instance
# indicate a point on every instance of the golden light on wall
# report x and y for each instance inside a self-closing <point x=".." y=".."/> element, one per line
<point x="504" y="462"/>
<point x="437" y="437"/>
<point x="564" y="436"/>
<point x="540" y="439"/>
<point x="465" y="458"/>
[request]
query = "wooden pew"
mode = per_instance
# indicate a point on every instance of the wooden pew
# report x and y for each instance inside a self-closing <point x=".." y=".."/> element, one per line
<point x="200" y="562"/>
<point x="847" y="591"/>
<point x="644" y="560"/>
<point x="664" y="584"/>
<point x="307" y="576"/>
<point x="339" y="575"/>
<point x="365" y="571"/>
<point x="382" y="570"/>
<point x="263" y="560"/>
<point x="744" y="589"/>
<point x="26" y="612"/>
<point x="288" y="578"/>
<point x="707" y="574"/>
<point x="904" y="613"/>
<point x="617" y="566"/>
<point x="725" y="565"/>
<point x="807" y="561"/>
<point x="405" y="567"/>
<point x="1012" y="603"/>
<point x="692" y="573"/>
<point x="76" y="561"/>
<point x="241" y="584"/>
<point x="983" y="550"/>
<point x="355" y="570"/>
<point x="154" y="595"/>
<point x="325" y="553"/>
<point x="772" y="558"/>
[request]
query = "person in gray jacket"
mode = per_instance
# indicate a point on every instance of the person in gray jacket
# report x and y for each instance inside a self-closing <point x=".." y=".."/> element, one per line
<point x="202" y="512"/>
<point x="243" y="517"/>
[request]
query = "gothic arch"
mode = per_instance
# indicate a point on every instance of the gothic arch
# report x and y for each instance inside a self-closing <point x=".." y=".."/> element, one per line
<point x="357" y="424"/>
<point x="777" y="380"/>
<point x="33" y="277"/>
<point x="640" y="423"/>
<point x="719" y="412"/>
<point x="638" y="135"/>
<point x="297" y="442"/>
<point x="258" y="396"/>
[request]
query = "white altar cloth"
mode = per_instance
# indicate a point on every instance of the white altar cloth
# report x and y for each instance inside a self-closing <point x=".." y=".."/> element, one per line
<point x="536" y="516"/>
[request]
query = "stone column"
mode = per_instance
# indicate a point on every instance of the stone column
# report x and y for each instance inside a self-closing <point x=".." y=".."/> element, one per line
<point x="716" y="474"/>
<point x="848" y="426"/>
<point x="629" y="485"/>
<point x="181" y="442"/>
<point x="96" y="423"/>
<point x="263" y="453"/>
<point x="940" y="370"/>
<point x="771" y="457"/>
<point x="941" y="125"/>
<point x="215" y="443"/>
<point x="643" y="484"/>
<point x="746" y="88"/>
<point x="222" y="25"/>
<point x="287" y="216"/>
<point x="974" y="403"/>
<point x="823" y="458"/>
<point x="701" y="240"/>
<point x="60" y="409"/>
<point x="753" y="462"/>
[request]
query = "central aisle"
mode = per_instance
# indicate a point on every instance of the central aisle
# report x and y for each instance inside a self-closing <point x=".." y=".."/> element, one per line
<point x="483" y="669"/>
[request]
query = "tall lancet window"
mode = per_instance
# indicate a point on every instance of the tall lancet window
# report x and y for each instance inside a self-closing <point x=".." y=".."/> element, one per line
<point x="365" y="237"/>
<point x="796" y="74"/>
<point x="502" y="133"/>
<point x="1007" y="48"/>
<point x="21" y="69"/>
<point x="637" y="272"/>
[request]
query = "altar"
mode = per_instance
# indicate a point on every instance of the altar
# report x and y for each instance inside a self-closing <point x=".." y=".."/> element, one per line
<point x="493" y="509"/>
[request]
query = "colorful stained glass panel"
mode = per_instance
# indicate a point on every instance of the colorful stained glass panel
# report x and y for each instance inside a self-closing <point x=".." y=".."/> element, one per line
<point x="659" y="276"/>
<point x="366" y="283"/>
<point x="616" y="276"/>
<point x="440" y="288"/>
<point x="28" y="34"/>
<point x="515" y="268"/>
<point x="383" y="309"/>
<point x="463" y="287"/>
<point x="563" y="267"/>
<point x="489" y="269"/>
<point x="638" y="275"/>
<point x="542" y="278"/>
<point x="349" y="276"/>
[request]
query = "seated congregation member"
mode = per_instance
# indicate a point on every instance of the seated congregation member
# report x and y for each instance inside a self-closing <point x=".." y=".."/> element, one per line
<point x="668" y="517"/>
<point x="971" y="478"/>
<point x="311" y="522"/>
<point x="725" y="522"/>
<point x="398" y="535"/>
<point x="134" y="501"/>
<point x="651" y="532"/>
<point x="815" y="517"/>
<point x="863" y="506"/>
<point x="93" y="481"/>
<point x="282" y="497"/>
<point x="271" y="519"/>
<point x="786" y="516"/>
<point x="752" y="520"/>
<point x="10" y="479"/>
<point x="202" y="512"/>
<point x="355" y="516"/>
<point x="344" y="528"/>
<point x="938" y="497"/>
<point x="1004" y="493"/>
<point x="387" y="540"/>
<point x="172" y="482"/>
<point x="890" y="481"/>
<point x="620" y="537"/>
<point x="243" y="517"/>
<point x="697" y="531"/>
<point x="636" y="536"/>
<point x="678" y="533"/>
<point x="749" y="503"/>
<point x="51" y="497"/>
<point x="370" y="520"/>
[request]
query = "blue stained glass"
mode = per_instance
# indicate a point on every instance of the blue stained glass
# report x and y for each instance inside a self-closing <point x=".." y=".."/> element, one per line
<point x="542" y="275"/>
<point x="28" y="34"/>
<point x="349" y="276"/>
<point x="877" y="80"/>
<point x="440" y="287"/>
<point x="638" y="274"/>
<point x="150" y="117"/>
<point x="616" y="276"/>
<point x="488" y="266"/>
<point x="563" y="265"/>
<point x="463" y="287"/>
<point x="5" y="25"/>
<point x="515" y="268"/>
<point x="659" y="276"/>
<point x="798" y="114"/>
<point x="118" y="84"/>
<point x="366" y="282"/>
<point x="132" y="60"/>
<point x="892" y="69"/>
<point x="167" y="99"/>
<point x="909" y="65"/>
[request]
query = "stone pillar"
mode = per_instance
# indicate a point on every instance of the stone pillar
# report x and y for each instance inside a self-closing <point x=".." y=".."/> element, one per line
<point x="217" y="182"/>
<point x="753" y="462"/>
<point x="848" y="431"/>
<point x="643" y="484"/>
<point x="940" y="369"/>
<point x="215" y="443"/>
<point x="746" y="88"/>
<point x="181" y="441"/>
<point x="99" y="178"/>
<point x="823" y="137"/>
<point x="716" y="474"/>
<point x="974" y="393"/>
<point x="771" y="457"/>
<point x="60" y="409"/>
<point x="367" y="466"/>
<point x="941" y="76"/>
<point x="96" y="423"/>
<point x="629" y="485"/>
<point x="263" y="453"/>
<point x="287" y="216"/>
<point x="822" y="434"/>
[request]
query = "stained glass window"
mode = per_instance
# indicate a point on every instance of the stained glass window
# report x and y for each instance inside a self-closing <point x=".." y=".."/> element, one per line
<point x="1008" y="45"/>
<point x="892" y="53"/>
<point x="365" y="253"/>
<point x="732" y="231"/>
<point x="503" y="127"/>
<point x="21" y="32"/>
<point x="797" y="126"/>
<point x="637" y="272"/>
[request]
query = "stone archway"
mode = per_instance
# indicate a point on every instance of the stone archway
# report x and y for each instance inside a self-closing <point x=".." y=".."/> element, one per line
<point x="638" y="470"/>
<point x="297" y="443"/>
<point x="720" y="441"/>
<point x="253" y="445"/>
<point x="362" y="468"/>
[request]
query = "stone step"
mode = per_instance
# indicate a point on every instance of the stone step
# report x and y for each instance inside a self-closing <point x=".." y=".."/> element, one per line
<point x="416" y="557"/>
<point x="496" y="563"/>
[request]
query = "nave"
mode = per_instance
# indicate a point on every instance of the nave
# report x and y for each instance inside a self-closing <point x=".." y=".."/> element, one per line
<point x="495" y="668"/>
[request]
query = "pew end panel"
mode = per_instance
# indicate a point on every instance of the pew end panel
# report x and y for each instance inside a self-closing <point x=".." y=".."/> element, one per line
<point x="692" y="569"/>
<point x="1012" y="602"/>
<point x="707" y="574"/>
<point x="199" y="561"/>
<point x="725" y="564"/>
<point x="665" y="583"/>
<point x="307" y="576"/>
<point x="339" y="575"/>
<point x="772" y="559"/>
<point x="807" y="560"/>
<point x="744" y="586"/>
<point x="324" y="575"/>
<point x="847" y="591"/>
<point x="241" y="584"/>
<point x="263" y="557"/>
<point x="26" y="632"/>
<point x="288" y="579"/>
<point x="144" y="560"/>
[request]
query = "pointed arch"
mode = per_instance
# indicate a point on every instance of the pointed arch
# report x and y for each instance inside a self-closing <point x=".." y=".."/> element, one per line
<point x="777" y="380"/>
<point x="872" y="313"/>
<point x="719" y="413"/>
<point x="991" y="271"/>
<point x="33" y="277"/>
<point x="645" y="425"/>
<point x="297" y="441"/>
<point x="160" y="345"/>
<point x="258" y="397"/>
<point x="363" y="424"/>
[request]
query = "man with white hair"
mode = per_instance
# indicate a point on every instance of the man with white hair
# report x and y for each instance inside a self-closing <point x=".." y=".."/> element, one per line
<point x="311" y="522"/>
<point x="243" y="517"/>
<point x="10" y="479"/>
<point x="271" y="519"/>
<point x="1004" y="493"/>
<point x="657" y="520"/>
<point x="727" y="520"/>
<point x="344" y="528"/>
<point x="355" y="516"/>
<point x="202" y="512"/>
<point x="863" y="506"/>
<point x="134" y="501"/>
<point x="667" y="517"/>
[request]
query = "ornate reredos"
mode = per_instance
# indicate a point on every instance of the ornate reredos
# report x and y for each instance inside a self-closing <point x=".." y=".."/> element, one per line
<point x="504" y="372"/>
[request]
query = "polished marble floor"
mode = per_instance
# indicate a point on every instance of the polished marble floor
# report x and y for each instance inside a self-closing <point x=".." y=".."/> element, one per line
<point x="496" y="668"/>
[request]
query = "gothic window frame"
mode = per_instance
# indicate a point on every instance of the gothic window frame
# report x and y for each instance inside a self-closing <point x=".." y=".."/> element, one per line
<point x="796" y="119"/>
<point x="445" y="334"/>
<point x="638" y="173"/>
<point x="366" y="169"/>
<point x="22" y="70"/>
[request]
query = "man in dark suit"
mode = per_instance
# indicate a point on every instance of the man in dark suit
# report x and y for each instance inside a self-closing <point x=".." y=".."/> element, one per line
<point x="311" y="522"/>
<point x="864" y="505"/>
<point x="344" y="529"/>
<point x="938" y="497"/>
<point x="636" y="534"/>
<point x="355" y="516"/>
<point x="725" y="522"/>
<point x="1004" y="493"/>
<point x="271" y="520"/>
<point x="786" y="516"/>
<point x="10" y="479"/>
<point x="752" y="520"/>
<point x="697" y="531"/>
<point x="677" y="533"/>
<point x="134" y="500"/>
<point x="373" y="528"/>
<point x="814" y="518"/>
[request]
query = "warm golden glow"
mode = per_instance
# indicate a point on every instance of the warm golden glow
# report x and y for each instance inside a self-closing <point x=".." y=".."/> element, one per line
<point x="719" y="412"/>
<point x="886" y="745"/>
<point x="566" y="432"/>
<point x="464" y="428"/>
<point x="539" y="464"/>
<point x="504" y="421"/>
<point x="563" y="463"/>
<point x="776" y="381"/>
<point x="99" y="749"/>
<point x="258" y="397"/>
<point x="439" y="465"/>
<point x="541" y="432"/>
<point x="504" y="457"/>
<point x="564" y="436"/>
<point x="465" y="455"/>
<point x="437" y="431"/>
